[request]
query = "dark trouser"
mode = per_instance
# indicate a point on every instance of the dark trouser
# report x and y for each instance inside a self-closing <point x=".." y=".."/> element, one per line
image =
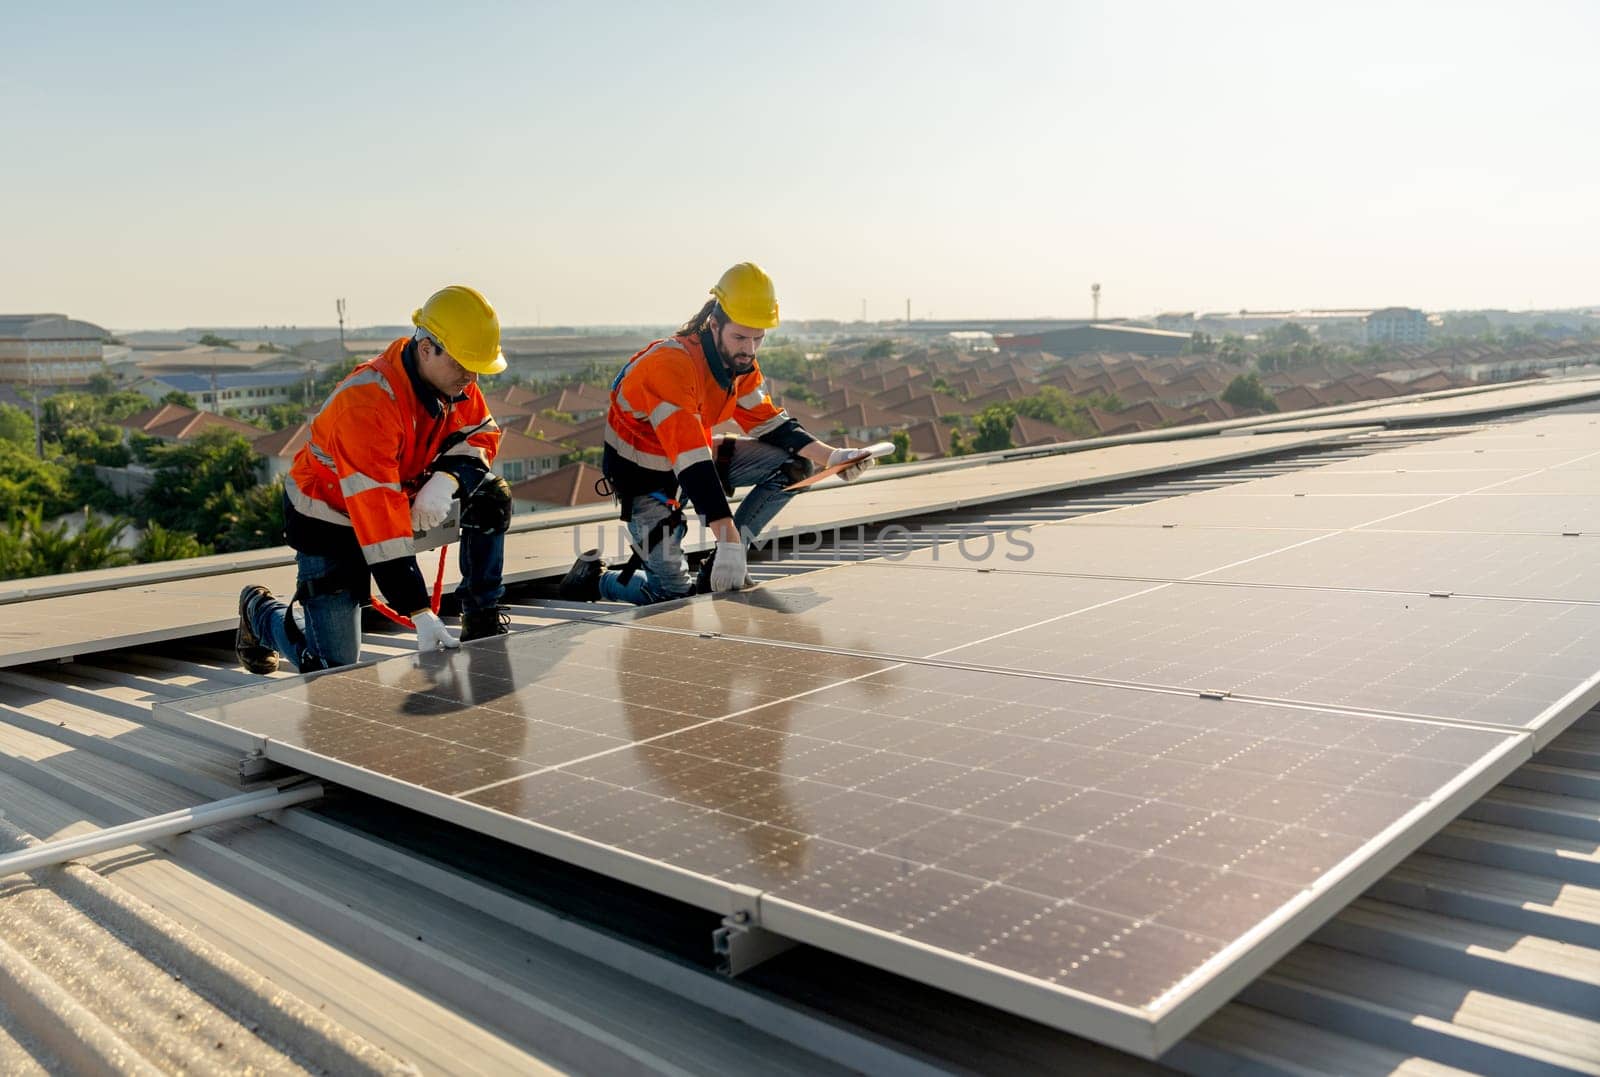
<point x="665" y="574"/>
<point x="331" y="589"/>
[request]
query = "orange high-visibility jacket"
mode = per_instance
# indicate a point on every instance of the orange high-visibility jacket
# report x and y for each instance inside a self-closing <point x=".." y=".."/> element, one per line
<point x="370" y="448"/>
<point x="665" y="403"/>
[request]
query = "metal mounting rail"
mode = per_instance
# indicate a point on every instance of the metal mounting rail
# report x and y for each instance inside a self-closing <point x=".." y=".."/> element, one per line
<point x="139" y="831"/>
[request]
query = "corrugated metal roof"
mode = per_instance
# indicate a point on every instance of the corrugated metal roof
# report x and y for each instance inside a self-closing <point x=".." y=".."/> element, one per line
<point x="352" y="935"/>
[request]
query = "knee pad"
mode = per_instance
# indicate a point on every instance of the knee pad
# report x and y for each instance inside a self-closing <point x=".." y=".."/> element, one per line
<point x="795" y="469"/>
<point x="488" y="508"/>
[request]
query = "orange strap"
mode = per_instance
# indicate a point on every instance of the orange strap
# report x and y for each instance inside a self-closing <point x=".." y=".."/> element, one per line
<point x="438" y="589"/>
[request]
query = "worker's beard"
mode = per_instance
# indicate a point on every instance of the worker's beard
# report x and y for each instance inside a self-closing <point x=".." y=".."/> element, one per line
<point x="740" y="364"/>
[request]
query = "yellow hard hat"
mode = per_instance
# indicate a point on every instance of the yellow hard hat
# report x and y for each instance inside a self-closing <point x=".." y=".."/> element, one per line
<point x="464" y="322"/>
<point x="746" y="295"/>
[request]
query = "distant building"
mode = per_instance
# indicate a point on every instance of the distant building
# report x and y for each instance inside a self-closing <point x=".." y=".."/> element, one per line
<point x="248" y="394"/>
<point x="174" y="422"/>
<point x="1100" y="337"/>
<point x="547" y="358"/>
<point x="522" y="457"/>
<point x="1397" y="325"/>
<point x="1327" y="324"/>
<point x="279" y="448"/>
<point x="50" y="349"/>
<point x="203" y="360"/>
<point x="563" y="488"/>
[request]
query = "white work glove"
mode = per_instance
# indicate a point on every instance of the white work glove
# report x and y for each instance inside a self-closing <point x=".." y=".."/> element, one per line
<point x="728" y="568"/>
<point x="433" y="502"/>
<point x="849" y="474"/>
<point x="432" y="634"/>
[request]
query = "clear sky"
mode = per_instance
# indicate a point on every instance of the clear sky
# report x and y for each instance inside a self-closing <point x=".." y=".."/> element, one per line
<point x="171" y="164"/>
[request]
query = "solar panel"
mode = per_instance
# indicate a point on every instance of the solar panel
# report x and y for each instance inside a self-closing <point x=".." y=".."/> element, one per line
<point x="1472" y="454"/>
<point x="1169" y="553"/>
<point x="1506" y="513"/>
<point x="1510" y="663"/>
<point x="42" y="629"/>
<point x="1399" y="481"/>
<point x="1458" y="405"/>
<point x="1233" y="508"/>
<point x="907" y="612"/>
<point x="1102" y="858"/>
<point x="1074" y="789"/>
<point x="1479" y="660"/>
<point x="1508" y="566"/>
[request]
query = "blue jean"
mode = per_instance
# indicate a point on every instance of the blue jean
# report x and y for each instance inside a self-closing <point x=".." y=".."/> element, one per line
<point x="332" y="634"/>
<point x="665" y="572"/>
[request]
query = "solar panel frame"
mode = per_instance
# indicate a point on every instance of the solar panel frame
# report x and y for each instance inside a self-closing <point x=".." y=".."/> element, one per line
<point x="1145" y="1029"/>
<point x="1011" y="620"/>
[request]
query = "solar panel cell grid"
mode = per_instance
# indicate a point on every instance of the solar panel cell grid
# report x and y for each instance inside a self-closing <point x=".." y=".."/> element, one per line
<point x="1006" y="780"/>
<point x="1238" y="510"/>
<point x="1398" y="653"/>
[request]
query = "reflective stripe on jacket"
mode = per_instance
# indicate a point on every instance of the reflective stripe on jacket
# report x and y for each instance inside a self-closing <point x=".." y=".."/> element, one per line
<point x="665" y="404"/>
<point x="370" y="446"/>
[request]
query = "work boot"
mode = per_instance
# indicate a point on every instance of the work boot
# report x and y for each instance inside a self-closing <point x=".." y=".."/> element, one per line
<point x="254" y="655"/>
<point x="582" y="581"/>
<point x="479" y="624"/>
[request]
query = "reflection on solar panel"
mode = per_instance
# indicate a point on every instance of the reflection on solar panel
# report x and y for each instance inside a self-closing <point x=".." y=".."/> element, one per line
<point x="1090" y="853"/>
<point x="1101" y="802"/>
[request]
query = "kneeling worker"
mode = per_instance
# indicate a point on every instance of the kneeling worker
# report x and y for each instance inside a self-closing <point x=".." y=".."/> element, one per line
<point x="664" y="404"/>
<point x="397" y="441"/>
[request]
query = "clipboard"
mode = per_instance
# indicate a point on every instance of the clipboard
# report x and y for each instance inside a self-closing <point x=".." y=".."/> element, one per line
<point x="876" y="449"/>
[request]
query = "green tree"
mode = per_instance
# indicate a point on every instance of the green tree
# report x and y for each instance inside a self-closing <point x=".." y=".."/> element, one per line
<point x="28" y="483"/>
<point x="786" y="361"/>
<point x="1232" y="349"/>
<point x="1070" y="413"/>
<point x="30" y="547"/>
<point x="590" y="455"/>
<point x="85" y="489"/>
<point x="991" y="428"/>
<point x="1200" y="344"/>
<point x="211" y="340"/>
<point x="1246" y="391"/>
<point x="143" y="446"/>
<point x="252" y="520"/>
<point x="880" y="349"/>
<point x="66" y="410"/>
<point x="99" y="444"/>
<point x="902" y="448"/>
<point x="102" y="384"/>
<point x="198" y="484"/>
<point x="1287" y="335"/>
<point x="1048" y="405"/>
<point x="179" y="397"/>
<point x="159" y="544"/>
<point x="16" y="425"/>
<point x="279" y="416"/>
